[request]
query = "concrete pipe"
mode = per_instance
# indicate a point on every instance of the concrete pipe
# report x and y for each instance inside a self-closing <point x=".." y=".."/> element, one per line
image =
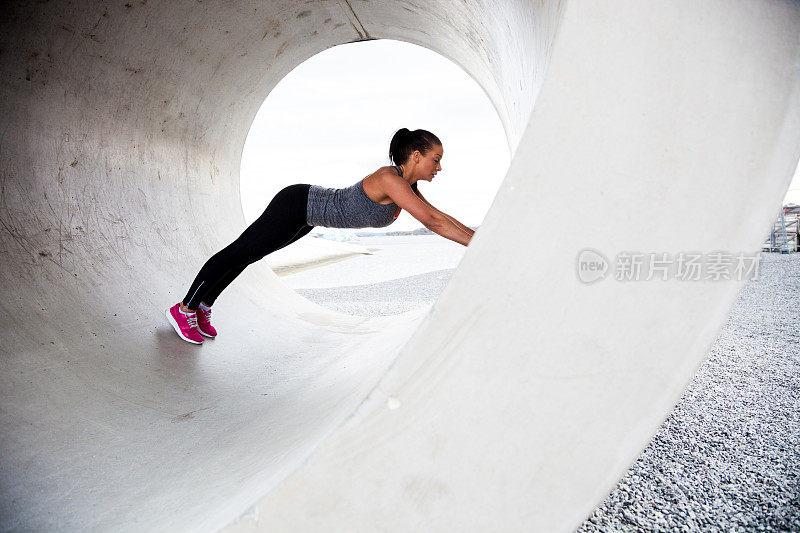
<point x="514" y="403"/>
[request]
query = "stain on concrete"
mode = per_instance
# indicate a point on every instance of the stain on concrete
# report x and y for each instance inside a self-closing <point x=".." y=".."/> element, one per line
<point x="304" y="14"/>
<point x="183" y="417"/>
<point x="92" y="37"/>
<point x="188" y="416"/>
<point x="272" y="27"/>
<point x="282" y="48"/>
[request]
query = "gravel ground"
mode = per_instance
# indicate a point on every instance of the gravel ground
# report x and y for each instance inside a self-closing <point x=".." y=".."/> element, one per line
<point x="728" y="457"/>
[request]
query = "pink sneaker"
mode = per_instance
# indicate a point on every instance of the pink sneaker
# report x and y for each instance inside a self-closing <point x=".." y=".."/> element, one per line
<point x="185" y="325"/>
<point x="204" y="323"/>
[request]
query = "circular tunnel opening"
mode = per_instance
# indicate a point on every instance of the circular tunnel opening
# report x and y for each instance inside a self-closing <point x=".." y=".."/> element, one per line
<point x="329" y="122"/>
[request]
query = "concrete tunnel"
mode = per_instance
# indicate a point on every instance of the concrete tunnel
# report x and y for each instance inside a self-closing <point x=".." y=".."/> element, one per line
<point x="514" y="403"/>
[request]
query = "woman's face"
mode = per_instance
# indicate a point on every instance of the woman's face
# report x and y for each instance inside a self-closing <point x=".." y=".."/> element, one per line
<point x="430" y="163"/>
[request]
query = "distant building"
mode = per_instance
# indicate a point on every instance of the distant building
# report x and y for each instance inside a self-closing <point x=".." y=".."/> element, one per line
<point x="785" y="234"/>
<point x="791" y="209"/>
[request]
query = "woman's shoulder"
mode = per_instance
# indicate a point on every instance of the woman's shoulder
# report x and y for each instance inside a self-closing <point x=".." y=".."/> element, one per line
<point x="381" y="175"/>
<point x="389" y="170"/>
<point x="392" y="173"/>
<point x="376" y="184"/>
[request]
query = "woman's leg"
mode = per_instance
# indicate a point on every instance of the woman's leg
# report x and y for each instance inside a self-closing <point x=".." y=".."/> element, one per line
<point x="232" y="274"/>
<point x="282" y="220"/>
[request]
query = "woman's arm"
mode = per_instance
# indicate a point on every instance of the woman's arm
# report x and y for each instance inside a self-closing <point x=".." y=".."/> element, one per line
<point x="464" y="228"/>
<point x="401" y="193"/>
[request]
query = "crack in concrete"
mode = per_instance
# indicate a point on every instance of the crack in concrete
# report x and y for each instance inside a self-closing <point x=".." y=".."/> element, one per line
<point x="363" y="34"/>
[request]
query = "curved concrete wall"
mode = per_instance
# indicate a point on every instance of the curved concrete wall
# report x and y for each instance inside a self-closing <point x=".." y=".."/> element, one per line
<point x="516" y="402"/>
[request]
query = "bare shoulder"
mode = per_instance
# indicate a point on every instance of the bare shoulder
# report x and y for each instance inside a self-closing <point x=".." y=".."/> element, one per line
<point x="386" y="177"/>
<point x="386" y="172"/>
<point x="379" y="184"/>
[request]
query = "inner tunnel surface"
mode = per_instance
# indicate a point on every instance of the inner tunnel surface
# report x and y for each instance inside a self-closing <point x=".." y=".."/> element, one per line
<point x="124" y="125"/>
<point x="122" y="135"/>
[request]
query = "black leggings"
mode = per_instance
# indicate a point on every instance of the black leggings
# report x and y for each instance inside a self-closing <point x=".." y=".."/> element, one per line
<point x="281" y="223"/>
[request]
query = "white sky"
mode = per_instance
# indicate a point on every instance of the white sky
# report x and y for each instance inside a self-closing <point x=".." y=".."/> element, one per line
<point x="793" y="194"/>
<point x="329" y="122"/>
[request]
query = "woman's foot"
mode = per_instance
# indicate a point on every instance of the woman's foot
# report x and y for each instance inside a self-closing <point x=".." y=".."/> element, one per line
<point x="185" y="325"/>
<point x="204" y="322"/>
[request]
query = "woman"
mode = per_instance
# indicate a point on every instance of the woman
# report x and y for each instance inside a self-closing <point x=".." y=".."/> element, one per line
<point x="375" y="202"/>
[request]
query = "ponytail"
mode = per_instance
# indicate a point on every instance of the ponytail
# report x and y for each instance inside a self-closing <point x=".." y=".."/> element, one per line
<point x="404" y="142"/>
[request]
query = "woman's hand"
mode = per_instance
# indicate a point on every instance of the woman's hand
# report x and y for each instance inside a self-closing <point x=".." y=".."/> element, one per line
<point x="403" y="195"/>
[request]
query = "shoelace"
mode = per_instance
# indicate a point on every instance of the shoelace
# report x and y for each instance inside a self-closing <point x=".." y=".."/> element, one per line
<point x="206" y="315"/>
<point x="192" y="320"/>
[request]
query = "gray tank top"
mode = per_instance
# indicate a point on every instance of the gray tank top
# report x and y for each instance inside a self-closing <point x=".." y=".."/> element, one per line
<point x="348" y="208"/>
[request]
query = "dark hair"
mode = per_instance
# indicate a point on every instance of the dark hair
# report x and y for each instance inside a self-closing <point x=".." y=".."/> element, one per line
<point x="404" y="143"/>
